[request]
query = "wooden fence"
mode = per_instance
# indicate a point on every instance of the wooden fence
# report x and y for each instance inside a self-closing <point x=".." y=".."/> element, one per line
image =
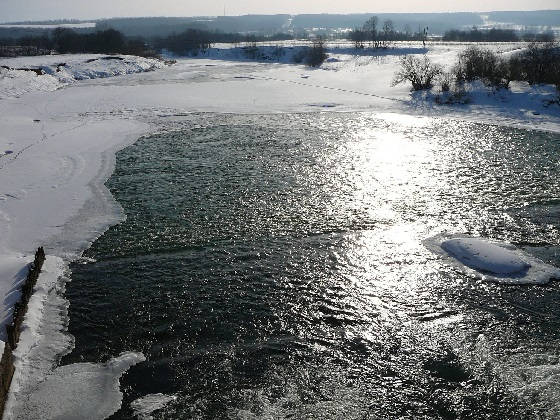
<point x="13" y="330"/>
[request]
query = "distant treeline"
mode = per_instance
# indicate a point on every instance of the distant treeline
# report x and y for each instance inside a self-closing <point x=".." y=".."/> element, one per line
<point x="110" y="41"/>
<point x="375" y="34"/>
<point x="63" y="40"/>
<point x="324" y="24"/>
<point x="192" y="41"/>
<point x="496" y="35"/>
<point x="161" y="27"/>
<point x="372" y="33"/>
<point x="380" y="35"/>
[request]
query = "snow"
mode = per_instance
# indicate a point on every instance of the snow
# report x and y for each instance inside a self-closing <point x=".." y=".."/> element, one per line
<point x="30" y="359"/>
<point x="61" y="70"/>
<point x="485" y="256"/>
<point x="13" y="270"/>
<point x="88" y="391"/>
<point x="50" y="272"/>
<point x="60" y="132"/>
<point x="491" y="260"/>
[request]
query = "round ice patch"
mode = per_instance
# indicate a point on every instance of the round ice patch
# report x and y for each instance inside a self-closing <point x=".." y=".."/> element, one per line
<point x="486" y="256"/>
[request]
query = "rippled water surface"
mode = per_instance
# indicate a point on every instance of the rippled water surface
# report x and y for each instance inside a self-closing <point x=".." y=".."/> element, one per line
<point x="273" y="266"/>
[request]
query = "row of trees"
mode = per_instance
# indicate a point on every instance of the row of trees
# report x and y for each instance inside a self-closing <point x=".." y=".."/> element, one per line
<point x="192" y="41"/>
<point x="313" y="55"/>
<point x="64" y="40"/>
<point x="372" y="33"/>
<point x="109" y="41"/>
<point x="378" y="35"/>
<point x="496" y="35"/>
<point x="381" y="36"/>
<point x="539" y="63"/>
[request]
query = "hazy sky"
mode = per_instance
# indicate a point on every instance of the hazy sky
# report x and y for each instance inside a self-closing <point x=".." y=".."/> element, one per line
<point x="14" y="10"/>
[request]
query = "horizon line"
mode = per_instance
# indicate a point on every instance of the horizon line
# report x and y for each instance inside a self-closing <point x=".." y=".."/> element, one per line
<point x="86" y="20"/>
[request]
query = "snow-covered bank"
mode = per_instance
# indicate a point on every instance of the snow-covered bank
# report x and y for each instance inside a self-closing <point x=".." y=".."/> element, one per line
<point x="53" y="268"/>
<point x="13" y="271"/>
<point x="53" y="193"/>
<point x="42" y="339"/>
<point x="46" y="73"/>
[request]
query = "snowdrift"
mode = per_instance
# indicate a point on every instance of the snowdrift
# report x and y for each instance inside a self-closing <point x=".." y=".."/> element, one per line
<point x="47" y="73"/>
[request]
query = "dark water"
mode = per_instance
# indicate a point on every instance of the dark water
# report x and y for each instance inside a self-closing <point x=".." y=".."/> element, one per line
<point x="272" y="266"/>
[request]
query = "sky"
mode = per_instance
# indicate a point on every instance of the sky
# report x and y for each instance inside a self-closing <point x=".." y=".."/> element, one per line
<point x="18" y="10"/>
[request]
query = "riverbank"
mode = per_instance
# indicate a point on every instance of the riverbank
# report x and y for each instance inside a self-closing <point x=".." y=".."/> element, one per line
<point x="57" y="147"/>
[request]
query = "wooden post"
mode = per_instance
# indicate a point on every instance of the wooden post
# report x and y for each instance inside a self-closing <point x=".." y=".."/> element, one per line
<point x="13" y="330"/>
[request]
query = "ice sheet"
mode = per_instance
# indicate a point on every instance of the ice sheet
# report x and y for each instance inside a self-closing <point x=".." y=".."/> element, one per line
<point x="79" y="391"/>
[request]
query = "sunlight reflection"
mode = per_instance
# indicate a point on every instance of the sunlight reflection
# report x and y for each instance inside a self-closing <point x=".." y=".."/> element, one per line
<point x="387" y="264"/>
<point x="405" y="120"/>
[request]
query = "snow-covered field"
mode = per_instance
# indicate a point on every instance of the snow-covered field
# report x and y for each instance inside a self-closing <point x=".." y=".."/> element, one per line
<point x="60" y="131"/>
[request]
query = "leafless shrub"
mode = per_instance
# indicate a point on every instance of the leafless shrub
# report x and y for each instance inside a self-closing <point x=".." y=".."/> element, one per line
<point x="421" y="72"/>
<point x="540" y="63"/>
<point x="251" y="50"/>
<point x="478" y="63"/>
<point x="446" y="81"/>
<point x="316" y="54"/>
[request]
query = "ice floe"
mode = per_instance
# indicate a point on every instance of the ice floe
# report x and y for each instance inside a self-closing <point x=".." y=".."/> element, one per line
<point x="80" y="391"/>
<point x="492" y="260"/>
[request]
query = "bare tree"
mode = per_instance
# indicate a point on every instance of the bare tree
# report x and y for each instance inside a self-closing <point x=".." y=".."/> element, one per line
<point x="370" y="28"/>
<point x="317" y="54"/>
<point x="421" y="72"/>
<point x="358" y="37"/>
<point x="388" y="32"/>
<point x="424" y="36"/>
<point x="407" y="31"/>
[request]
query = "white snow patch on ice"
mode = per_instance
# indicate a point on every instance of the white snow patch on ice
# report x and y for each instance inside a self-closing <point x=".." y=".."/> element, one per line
<point x="30" y="359"/>
<point x="484" y="255"/>
<point x="79" y="391"/>
<point x="145" y="406"/>
<point x="492" y="260"/>
<point x="51" y="271"/>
